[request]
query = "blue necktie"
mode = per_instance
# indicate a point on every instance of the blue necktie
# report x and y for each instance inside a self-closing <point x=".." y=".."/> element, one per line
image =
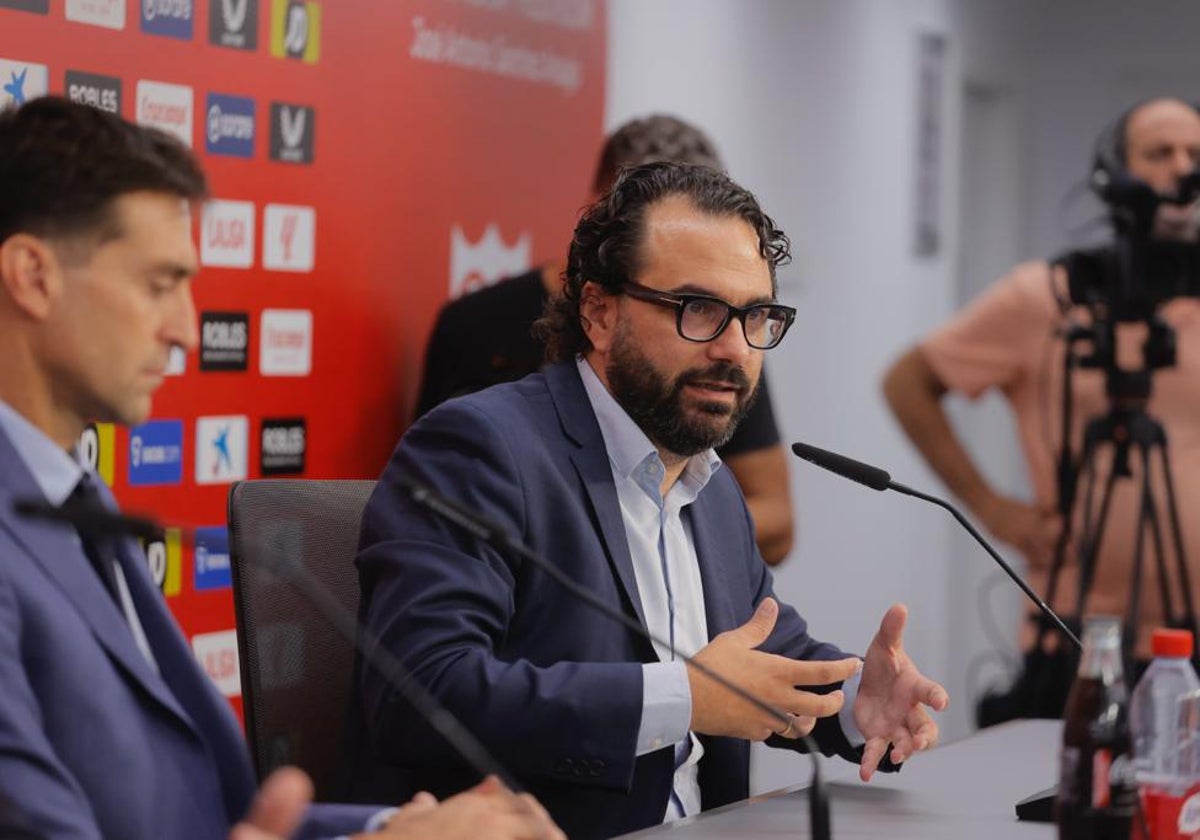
<point x="97" y="547"/>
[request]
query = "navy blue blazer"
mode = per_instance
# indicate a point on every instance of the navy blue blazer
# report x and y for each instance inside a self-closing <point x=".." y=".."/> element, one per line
<point x="551" y="686"/>
<point x="93" y="742"/>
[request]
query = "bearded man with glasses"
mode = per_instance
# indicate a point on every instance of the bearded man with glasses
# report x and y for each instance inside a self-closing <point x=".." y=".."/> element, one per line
<point x="604" y="464"/>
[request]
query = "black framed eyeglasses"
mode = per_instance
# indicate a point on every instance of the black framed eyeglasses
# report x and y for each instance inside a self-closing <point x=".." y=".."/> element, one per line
<point x="703" y="318"/>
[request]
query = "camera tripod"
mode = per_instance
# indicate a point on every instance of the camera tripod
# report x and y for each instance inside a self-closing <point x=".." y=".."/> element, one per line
<point x="1125" y="429"/>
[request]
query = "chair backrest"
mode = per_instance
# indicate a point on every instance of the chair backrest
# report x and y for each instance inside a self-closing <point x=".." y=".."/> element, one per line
<point x="296" y="665"/>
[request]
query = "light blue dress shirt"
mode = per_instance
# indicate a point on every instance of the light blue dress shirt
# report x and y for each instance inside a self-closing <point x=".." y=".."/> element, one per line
<point x="57" y="472"/>
<point x="668" y="578"/>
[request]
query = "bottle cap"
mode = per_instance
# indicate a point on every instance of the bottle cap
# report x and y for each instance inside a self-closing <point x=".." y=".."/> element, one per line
<point x="1177" y="643"/>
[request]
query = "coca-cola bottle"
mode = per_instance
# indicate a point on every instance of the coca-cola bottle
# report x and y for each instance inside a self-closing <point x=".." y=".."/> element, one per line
<point x="1097" y="792"/>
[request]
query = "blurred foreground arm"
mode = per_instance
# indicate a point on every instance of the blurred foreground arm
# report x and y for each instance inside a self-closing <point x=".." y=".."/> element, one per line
<point x="763" y="476"/>
<point x="914" y="392"/>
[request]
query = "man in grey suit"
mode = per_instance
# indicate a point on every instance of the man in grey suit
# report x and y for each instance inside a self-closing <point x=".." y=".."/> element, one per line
<point x="108" y="727"/>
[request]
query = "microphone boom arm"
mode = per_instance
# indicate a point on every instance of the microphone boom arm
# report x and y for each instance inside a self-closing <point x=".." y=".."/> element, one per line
<point x="1045" y="609"/>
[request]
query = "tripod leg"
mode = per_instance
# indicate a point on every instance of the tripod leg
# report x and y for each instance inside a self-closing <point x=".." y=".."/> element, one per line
<point x="1150" y="508"/>
<point x="1147" y="520"/>
<point x="1092" y="538"/>
<point x="1185" y="583"/>
<point x="1086" y="530"/>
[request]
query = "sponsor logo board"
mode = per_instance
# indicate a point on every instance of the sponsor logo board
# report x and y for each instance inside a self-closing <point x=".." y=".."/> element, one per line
<point x="292" y="130"/>
<point x="233" y="23"/>
<point x="289" y="237"/>
<point x="103" y="92"/>
<point x="164" y="559"/>
<point x="156" y="452"/>
<point x="283" y="443"/>
<point x="221" y="449"/>
<point x="474" y="265"/>
<point x="227" y="234"/>
<point x="285" y="342"/>
<point x="296" y="29"/>
<point x="224" y="340"/>
<point x="172" y="18"/>
<point x="229" y="125"/>
<point x="107" y="13"/>
<point x="211" y="559"/>
<point x="217" y="654"/>
<point x="97" y="449"/>
<point x="167" y="107"/>
<point x="21" y="81"/>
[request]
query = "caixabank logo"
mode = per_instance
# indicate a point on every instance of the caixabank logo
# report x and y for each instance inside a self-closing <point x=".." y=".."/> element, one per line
<point x="156" y="453"/>
<point x="283" y="444"/>
<point x="211" y="559"/>
<point x="296" y="29"/>
<point x="97" y="449"/>
<point x="21" y="81"/>
<point x="164" y="560"/>
<point x="172" y="18"/>
<point x="103" y="92"/>
<point x="224" y="340"/>
<point x="221" y="450"/>
<point x="42" y="7"/>
<point x="229" y="125"/>
<point x="233" y="23"/>
<point x="292" y="130"/>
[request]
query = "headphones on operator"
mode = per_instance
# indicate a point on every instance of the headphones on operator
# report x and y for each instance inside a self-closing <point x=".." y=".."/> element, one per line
<point x="1109" y="178"/>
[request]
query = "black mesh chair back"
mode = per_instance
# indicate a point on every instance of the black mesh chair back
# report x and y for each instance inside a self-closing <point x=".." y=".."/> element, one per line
<point x="296" y="665"/>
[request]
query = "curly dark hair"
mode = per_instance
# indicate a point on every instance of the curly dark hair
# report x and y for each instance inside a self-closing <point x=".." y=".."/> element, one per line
<point x="62" y="164"/>
<point x="649" y="139"/>
<point x="607" y="240"/>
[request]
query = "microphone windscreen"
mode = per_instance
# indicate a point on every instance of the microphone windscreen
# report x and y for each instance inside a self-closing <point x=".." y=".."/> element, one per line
<point x="864" y="474"/>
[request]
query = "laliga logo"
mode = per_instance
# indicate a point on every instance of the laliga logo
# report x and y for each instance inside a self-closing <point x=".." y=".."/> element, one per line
<point x="473" y="266"/>
<point x="234" y="13"/>
<point x="135" y="450"/>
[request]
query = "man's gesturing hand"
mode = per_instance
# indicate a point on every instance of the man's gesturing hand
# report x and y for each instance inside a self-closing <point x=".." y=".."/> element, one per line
<point x="891" y="698"/>
<point x="772" y="679"/>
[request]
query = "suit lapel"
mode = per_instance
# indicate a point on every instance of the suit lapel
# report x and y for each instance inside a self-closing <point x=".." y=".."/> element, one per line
<point x="714" y="551"/>
<point x="54" y="548"/>
<point x="591" y="463"/>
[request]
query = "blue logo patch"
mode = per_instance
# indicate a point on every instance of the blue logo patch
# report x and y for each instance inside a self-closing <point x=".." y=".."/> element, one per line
<point x="172" y="18"/>
<point x="229" y="125"/>
<point x="212" y="559"/>
<point x="156" y="453"/>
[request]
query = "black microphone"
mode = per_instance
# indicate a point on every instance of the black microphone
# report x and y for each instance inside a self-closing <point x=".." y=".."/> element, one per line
<point x="90" y="519"/>
<point x="878" y="479"/>
<point x="1038" y="807"/>
<point x="492" y="533"/>
<point x="104" y="523"/>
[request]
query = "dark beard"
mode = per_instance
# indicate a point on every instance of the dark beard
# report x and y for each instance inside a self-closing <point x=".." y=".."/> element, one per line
<point x="656" y="405"/>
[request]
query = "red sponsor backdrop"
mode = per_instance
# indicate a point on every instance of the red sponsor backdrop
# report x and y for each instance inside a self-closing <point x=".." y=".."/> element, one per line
<point x="450" y="141"/>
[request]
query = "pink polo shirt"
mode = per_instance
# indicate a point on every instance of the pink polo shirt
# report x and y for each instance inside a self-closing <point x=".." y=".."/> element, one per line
<point x="1009" y="338"/>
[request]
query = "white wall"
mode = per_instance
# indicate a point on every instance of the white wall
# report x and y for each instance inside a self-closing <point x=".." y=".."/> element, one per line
<point x="813" y="106"/>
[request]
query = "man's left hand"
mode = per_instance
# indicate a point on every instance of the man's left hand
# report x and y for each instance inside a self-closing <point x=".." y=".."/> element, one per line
<point x="892" y="696"/>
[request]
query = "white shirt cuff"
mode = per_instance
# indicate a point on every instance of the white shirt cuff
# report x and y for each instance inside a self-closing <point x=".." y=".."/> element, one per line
<point x="666" y="706"/>
<point x="846" y="713"/>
